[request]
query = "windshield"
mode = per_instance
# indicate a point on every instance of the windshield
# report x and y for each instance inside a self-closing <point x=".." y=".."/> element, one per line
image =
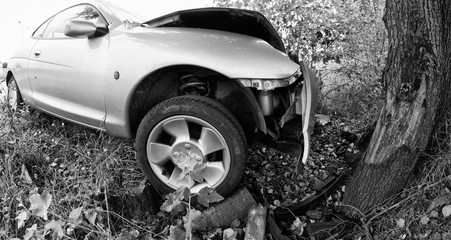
<point x="122" y="13"/>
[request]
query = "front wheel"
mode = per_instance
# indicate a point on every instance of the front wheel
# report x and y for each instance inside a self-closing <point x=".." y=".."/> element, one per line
<point x="14" y="97"/>
<point x="191" y="141"/>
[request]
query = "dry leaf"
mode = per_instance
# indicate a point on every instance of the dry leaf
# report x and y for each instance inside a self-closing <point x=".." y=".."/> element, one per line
<point x="125" y="235"/>
<point x="177" y="233"/>
<point x="298" y="226"/>
<point x="229" y="234"/>
<point x="433" y="214"/>
<point x="424" y="235"/>
<point x="91" y="215"/>
<point x="75" y="216"/>
<point x="446" y="211"/>
<point x="57" y="227"/>
<point x="23" y="216"/>
<point x="401" y="223"/>
<point x="29" y="233"/>
<point x="322" y="119"/>
<point x="25" y="175"/>
<point x="424" y="220"/>
<point x="440" y="200"/>
<point x="40" y="204"/>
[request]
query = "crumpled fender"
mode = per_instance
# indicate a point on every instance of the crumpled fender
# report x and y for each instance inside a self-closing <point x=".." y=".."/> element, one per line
<point x="305" y="103"/>
<point x="309" y="103"/>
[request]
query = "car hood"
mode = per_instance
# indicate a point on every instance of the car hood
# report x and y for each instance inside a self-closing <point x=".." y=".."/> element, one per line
<point x="233" y="55"/>
<point x="240" y="21"/>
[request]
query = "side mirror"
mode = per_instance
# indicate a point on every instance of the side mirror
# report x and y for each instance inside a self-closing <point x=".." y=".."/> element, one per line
<point x="82" y="28"/>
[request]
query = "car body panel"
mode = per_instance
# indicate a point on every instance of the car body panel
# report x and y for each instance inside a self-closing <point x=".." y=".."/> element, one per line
<point x="58" y="85"/>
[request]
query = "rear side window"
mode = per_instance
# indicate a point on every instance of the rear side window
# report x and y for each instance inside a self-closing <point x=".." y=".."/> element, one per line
<point x="55" y="30"/>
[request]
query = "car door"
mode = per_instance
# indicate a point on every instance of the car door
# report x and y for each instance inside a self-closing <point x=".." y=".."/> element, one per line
<point x="67" y="73"/>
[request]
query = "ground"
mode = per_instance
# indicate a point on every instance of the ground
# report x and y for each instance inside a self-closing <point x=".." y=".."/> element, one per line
<point x="88" y="185"/>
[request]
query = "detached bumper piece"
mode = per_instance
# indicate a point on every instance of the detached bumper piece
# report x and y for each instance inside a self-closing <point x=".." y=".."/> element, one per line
<point x="321" y="230"/>
<point x="304" y="104"/>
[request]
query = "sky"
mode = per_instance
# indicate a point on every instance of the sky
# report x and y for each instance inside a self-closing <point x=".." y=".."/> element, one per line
<point x="19" y="18"/>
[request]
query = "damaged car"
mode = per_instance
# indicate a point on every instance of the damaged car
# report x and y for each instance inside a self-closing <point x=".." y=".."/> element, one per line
<point x="192" y="87"/>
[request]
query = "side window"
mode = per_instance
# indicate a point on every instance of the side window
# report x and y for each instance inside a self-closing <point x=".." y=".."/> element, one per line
<point x="80" y="12"/>
<point x="39" y="32"/>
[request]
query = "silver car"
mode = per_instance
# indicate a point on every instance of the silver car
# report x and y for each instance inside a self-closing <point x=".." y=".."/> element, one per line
<point x="192" y="87"/>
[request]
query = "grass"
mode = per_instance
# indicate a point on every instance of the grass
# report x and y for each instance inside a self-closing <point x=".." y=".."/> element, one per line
<point x="418" y="211"/>
<point x="78" y="167"/>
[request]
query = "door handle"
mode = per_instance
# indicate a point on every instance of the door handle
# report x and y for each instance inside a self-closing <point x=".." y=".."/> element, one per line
<point x="37" y="53"/>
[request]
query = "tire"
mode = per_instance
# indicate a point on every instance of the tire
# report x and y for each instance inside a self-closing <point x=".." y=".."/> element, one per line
<point x="191" y="130"/>
<point x="14" y="96"/>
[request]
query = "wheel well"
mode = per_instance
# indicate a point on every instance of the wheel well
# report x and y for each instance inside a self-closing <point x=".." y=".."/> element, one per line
<point x="8" y="77"/>
<point x="192" y="80"/>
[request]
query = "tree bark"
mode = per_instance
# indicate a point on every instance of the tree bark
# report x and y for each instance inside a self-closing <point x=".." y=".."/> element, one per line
<point x="417" y="84"/>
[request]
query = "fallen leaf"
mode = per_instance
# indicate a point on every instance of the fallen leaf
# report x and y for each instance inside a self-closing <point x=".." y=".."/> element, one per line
<point x="29" y="233"/>
<point x="91" y="215"/>
<point x="322" y="119"/>
<point x="424" y="235"/>
<point x="70" y="231"/>
<point x="401" y="223"/>
<point x="57" y="227"/>
<point x="446" y="210"/>
<point x="75" y="216"/>
<point x="229" y="234"/>
<point x="25" y="175"/>
<point x="424" y="220"/>
<point x="139" y="189"/>
<point x="22" y="216"/>
<point x="298" y="227"/>
<point x="125" y="235"/>
<point x="208" y="195"/>
<point x="433" y="214"/>
<point x="440" y="200"/>
<point x="40" y="204"/>
<point x="177" y="233"/>
<point x="313" y="214"/>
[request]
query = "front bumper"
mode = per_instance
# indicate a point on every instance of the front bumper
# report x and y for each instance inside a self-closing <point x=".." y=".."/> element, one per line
<point x="303" y="100"/>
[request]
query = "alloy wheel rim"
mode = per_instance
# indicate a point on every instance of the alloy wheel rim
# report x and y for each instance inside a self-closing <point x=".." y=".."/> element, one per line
<point x="12" y="96"/>
<point x="188" y="151"/>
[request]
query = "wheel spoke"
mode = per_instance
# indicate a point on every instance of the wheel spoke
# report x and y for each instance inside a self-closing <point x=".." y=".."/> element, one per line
<point x="178" y="128"/>
<point x="12" y="95"/>
<point x="174" y="179"/>
<point x="210" y="141"/>
<point x="198" y="187"/>
<point x="158" y="153"/>
<point x="213" y="172"/>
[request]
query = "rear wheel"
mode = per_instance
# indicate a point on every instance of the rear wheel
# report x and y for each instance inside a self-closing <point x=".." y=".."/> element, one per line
<point x="14" y="97"/>
<point x="191" y="141"/>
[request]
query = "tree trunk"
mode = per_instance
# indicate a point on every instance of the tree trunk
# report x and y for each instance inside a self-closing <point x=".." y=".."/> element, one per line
<point x="417" y="86"/>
